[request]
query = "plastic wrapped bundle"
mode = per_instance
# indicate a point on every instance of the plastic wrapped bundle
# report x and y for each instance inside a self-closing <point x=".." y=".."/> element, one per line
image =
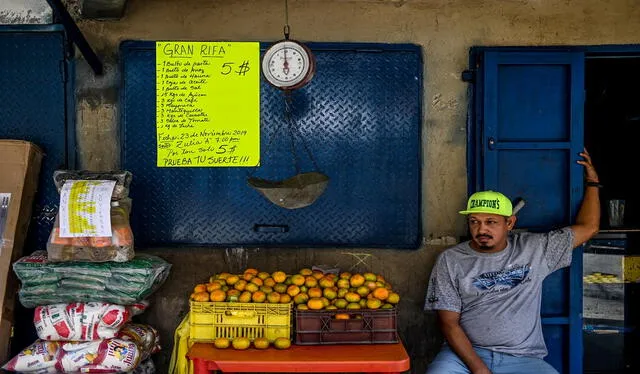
<point x="117" y="247"/>
<point x="121" y="283"/>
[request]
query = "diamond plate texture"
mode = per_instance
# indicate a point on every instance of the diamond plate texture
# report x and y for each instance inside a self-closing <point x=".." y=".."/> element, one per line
<point x="33" y="108"/>
<point x="361" y="119"/>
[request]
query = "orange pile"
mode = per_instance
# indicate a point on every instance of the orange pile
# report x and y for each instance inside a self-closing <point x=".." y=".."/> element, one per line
<point x="307" y="289"/>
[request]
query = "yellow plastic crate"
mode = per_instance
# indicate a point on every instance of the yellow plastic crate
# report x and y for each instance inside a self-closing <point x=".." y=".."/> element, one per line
<point x="208" y="321"/>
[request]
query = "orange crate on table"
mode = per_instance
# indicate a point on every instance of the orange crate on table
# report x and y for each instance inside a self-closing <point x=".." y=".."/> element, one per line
<point x="211" y="320"/>
<point x="364" y="326"/>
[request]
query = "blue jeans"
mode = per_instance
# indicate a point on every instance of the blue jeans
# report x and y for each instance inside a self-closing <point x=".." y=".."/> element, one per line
<point x="447" y="362"/>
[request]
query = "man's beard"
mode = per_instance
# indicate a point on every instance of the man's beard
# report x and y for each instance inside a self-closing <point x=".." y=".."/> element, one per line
<point x="483" y="246"/>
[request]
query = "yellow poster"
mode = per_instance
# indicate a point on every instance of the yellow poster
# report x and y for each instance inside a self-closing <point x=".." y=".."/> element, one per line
<point x="208" y="104"/>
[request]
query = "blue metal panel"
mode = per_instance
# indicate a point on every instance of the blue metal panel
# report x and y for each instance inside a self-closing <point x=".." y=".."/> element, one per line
<point x="35" y="97"/>
<point x="361" y="117"/>
<point x="529" y="132"/>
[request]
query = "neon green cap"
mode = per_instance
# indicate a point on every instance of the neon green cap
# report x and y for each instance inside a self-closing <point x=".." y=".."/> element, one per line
<point x="490" y="202"/>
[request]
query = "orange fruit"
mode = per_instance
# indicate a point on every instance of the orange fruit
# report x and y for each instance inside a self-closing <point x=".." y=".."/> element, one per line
<point x="381" y="293"/>
<point x="232" y="279"/>
<point x="282" y="343"/>
<point x="343" y="283"/>
<point x="293" y="290"/>
<point x="247" y="276"/>
<point x="297" y="279"/>
<point x="301" y="298"/>
<point x="363" y="303"/>
<point x="201" y="296"/>
<point x="258" y="297"/>
<point x="221" y="343"/>
<point x="315" y="303"/>
<point x="302" y="307"/>
<point x="345" y="275"/>
<point x="240" y="343"/>
<point x="305" y="271"/>
<point x="352" y="297"/>
<point x="279" y="276"/>
<point x="325" y="301"/>
<point x="329" y="293"/>
<point x="280" y="287"/>
<point x="257" y="281"/>
<point x="317" y="274"/>
<point x="218" y="295"/>
<point x="251" y="287"/>
<point x="269" y="282"/>
<point x="232" y="295"/>
<point x="387" y="306"/>
<point x="353" y="306"/>
<point x="310" y="281"/>
<point x="261" y="343"/>
<point x="215" y="285"/>
<point x="342" y="292"/>
<point x="371" y="285"/>
<point x="363" y="291"/>
<point x="200" y="288"/>
<point x="285" y="298"/>
<point x="330" y="307"/>
<point x="251" y="271"/>
<point x="266" y="289"/>
<point x="341" y="303"/>
<point x="393" y="298"/>
<point x="254" y="287"/>
<point x="273" y="297"/>
<point x="263" y="275"/>
<point x="356" y="280"/>
<point x="325" y="282"/>
<point x="245" y="297"/>
<point x="374" y="303"/>
<point x="240" y="285"/>
<point x="315" y="292"/>
<point x="223" y="275"/>
<point x="370" y="276"/>
<point x="342" y="316"/>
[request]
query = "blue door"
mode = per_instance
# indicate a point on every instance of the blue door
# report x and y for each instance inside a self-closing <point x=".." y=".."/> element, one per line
<point x="525" y="135"/>
<point x="36" y="106"/>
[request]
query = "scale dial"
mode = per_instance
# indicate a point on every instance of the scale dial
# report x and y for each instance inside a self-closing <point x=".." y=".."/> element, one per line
<point x="288" y="65"/>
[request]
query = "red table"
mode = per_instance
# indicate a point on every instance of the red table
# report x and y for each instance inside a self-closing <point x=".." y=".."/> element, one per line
<point x="355" y="358"/>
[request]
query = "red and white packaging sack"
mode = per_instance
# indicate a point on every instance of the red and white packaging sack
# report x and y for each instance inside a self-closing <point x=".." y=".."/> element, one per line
<point x="101" y="356"/>
<point x="39" y="357"/>
<point x="83" y="321"/>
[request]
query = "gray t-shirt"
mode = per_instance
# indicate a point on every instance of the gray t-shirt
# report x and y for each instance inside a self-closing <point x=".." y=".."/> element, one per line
<point x="498" y="294"/>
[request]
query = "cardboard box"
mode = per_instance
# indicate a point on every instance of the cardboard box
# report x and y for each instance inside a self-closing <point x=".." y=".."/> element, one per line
<point x="19" y="173"/>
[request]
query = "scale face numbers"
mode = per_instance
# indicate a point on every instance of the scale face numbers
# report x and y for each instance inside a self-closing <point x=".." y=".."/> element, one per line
<point x="288" y="65"/>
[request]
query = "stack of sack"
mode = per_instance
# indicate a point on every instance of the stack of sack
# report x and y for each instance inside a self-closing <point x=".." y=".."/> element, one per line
<point x="87" y="338"/>
<point x="85" y="291"/>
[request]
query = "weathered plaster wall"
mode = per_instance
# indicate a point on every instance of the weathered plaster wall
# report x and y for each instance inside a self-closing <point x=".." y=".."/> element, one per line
<point x="445" y="28"/>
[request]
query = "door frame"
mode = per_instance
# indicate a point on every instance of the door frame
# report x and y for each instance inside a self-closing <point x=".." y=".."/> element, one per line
<point x="475" y="180"/>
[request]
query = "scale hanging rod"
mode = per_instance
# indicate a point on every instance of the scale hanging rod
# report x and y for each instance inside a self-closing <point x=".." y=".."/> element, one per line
<point x="286" y="20"/>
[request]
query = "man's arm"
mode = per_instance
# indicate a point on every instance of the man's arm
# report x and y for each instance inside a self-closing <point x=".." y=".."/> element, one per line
<point x="588" y="218"/>
<point x="459" y="342"/>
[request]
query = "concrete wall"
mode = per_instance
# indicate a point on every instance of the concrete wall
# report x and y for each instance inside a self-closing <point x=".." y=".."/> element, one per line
<point x="445" y="28"/>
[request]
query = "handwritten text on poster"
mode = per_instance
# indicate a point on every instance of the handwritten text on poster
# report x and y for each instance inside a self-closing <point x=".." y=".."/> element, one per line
<point x="208" y="104"/>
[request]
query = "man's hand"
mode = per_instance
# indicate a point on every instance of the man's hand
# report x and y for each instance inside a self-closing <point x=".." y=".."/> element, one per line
<point x="590" y="174"/>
